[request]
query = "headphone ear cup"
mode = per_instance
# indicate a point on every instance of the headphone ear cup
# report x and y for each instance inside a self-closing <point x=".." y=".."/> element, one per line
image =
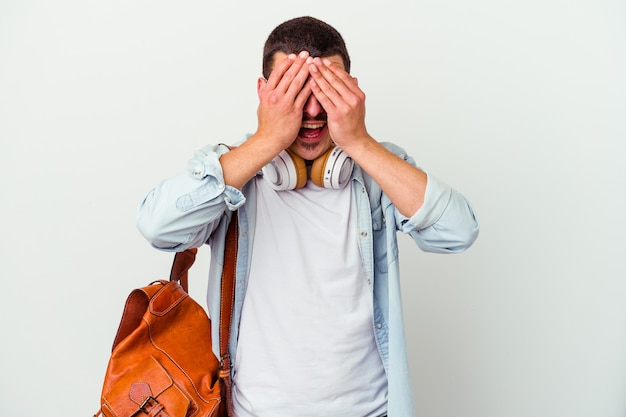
<point x="332" y="169"/>
<point x="318" y="168"/>
<point x="287" y="171"/>
<point x="300" y="169"/>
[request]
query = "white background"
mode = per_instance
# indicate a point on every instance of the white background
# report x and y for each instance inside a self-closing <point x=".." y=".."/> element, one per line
<point x="518" y="104"/>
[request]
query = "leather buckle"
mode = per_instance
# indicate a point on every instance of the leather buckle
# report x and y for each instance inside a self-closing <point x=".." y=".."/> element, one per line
<point x="146" y="403"/>
<point x="224" y="370"/>
<point x="225" y="362"/>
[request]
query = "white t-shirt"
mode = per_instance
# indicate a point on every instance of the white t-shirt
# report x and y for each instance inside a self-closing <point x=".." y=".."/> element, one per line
<point x="306" y="343"/>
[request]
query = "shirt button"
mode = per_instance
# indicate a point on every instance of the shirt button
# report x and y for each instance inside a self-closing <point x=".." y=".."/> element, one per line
<point x="379" y="325"/>
<point x="363" y="234"/>
<point x="220" y="186"/>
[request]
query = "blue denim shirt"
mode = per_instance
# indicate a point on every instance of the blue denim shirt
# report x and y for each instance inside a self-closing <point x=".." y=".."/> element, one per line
<point x="195" y="207"/>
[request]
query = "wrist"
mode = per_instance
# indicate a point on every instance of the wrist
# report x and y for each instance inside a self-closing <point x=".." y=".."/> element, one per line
<point x="358" y="146"/>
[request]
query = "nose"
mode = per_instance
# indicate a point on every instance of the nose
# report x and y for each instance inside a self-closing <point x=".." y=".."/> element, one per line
<point x="312" y="107"/>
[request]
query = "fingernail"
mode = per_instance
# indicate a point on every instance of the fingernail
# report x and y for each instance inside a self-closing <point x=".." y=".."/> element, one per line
<point x="309" y="60"/>
<point x="327" y="62"/>
<point x="292" y="56"/>
<point x="304" y="54"/>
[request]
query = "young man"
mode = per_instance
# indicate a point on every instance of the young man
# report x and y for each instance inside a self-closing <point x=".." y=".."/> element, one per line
<point x="317" y="323"/>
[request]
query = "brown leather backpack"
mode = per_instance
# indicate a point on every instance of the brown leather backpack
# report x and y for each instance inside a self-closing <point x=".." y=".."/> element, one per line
<point x="162" y="363"/>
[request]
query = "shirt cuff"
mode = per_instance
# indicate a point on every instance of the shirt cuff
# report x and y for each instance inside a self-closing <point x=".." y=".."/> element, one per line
<point x="436" y="200"/>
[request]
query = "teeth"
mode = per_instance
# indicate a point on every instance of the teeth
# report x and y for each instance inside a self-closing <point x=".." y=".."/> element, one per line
<point x="312" y="125"/>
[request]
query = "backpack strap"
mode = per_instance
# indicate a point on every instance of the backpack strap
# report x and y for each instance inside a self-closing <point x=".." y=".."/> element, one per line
<point x="182" y="262"/>
<point x="226" y="308"/>
<point x="180" y="267"/>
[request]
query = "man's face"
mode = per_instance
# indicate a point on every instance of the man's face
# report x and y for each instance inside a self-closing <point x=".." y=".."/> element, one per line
<point x="313" y="138"/>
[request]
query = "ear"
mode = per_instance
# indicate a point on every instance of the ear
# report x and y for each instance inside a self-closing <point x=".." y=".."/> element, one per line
<point x="260" y="85"/>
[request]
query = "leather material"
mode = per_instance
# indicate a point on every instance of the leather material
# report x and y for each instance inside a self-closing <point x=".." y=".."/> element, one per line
<point x="227" y="292"/>
<point x="162" y="363"/>
<point x="165" y="365"/>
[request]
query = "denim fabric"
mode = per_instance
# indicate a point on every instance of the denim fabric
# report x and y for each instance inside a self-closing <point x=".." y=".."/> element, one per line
<point x="194" y="208"/>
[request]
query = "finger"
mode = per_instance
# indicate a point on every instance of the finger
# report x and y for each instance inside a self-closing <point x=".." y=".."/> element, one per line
<point x="279" y="71"/>
<point x="297" y="75"/>
<point x="323" y="85"/>
<point x="292" y="77"/>
<point x="343" y="82"/>
<point x="320" y="95"/>
<point x="303" y="96"/>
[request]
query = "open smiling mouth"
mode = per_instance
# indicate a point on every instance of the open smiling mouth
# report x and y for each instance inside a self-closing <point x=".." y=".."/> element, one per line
<point x="312" y="131"/>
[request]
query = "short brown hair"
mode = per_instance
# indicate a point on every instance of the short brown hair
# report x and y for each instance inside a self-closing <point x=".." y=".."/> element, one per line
<point x="306" y="33"/>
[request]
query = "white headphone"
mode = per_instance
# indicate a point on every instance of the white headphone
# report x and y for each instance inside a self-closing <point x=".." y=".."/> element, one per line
<point x="288" y="171"/>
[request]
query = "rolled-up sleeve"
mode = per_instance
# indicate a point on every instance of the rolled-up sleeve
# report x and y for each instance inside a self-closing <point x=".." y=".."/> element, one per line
<point x="446" y="222"/>
<point x="182" y="211"/>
